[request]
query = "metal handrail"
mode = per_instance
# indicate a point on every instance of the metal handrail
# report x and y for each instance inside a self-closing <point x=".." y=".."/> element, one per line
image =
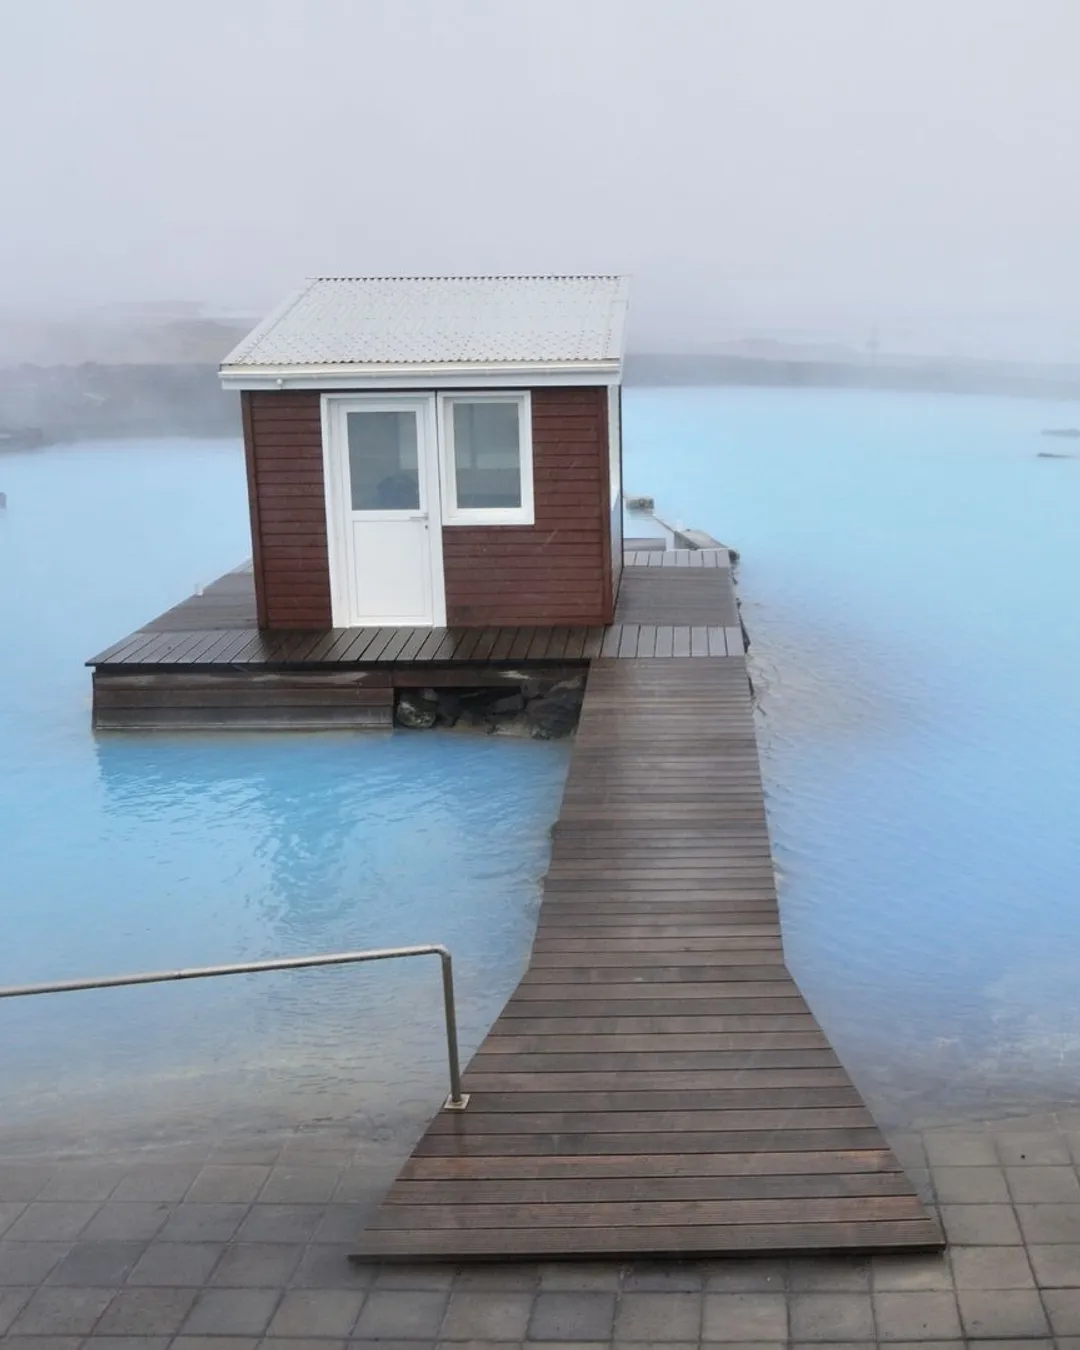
<point x="457" y="1100"/>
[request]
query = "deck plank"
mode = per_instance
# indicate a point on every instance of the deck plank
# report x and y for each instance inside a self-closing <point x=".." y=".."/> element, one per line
<point x="656" y="1083"/>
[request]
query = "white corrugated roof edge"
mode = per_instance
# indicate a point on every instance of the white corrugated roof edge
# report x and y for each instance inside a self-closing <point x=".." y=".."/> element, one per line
<point x="239" y="365"/>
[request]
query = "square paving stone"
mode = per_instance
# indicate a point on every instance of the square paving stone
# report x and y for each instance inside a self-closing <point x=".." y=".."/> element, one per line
<point x="568" y="1315"/>
<point x="831" y="1317"/>
<point x="245" y="1152"/>
<point x="818" y="1274"/>
<point x="834" y="1345"/>
<point x="588" y="1277"/>
<point x="341" y="1223"/>
<point x="177" y="1263"/>
<point x="970" y="1185"/>
<point x="1056" y="1267"/>
<point x="232" y="1312"/>
<point x="43" y="1342"/>
<point x="763" y="1274"/>
<point x="958" y="1148"/>
<point x="281" y="1223"/>
<point x="359" y="1184"/>
<point x="747" y="1345"/>
<point x="81" y="1181"/>
<point x="203" y="1223"/>
<point x="223" y="1184"/>
<point x="745" y="1317"/>
<point x="991" y="1268"/>
<point x="156" y="1181"/>
<point x="958" y="1344"/>
<point x="28" y="1263"/>
<point x="981" y="1225"/>
<point x="387" y="1315"/>
<point x="300" y="1185"/>
<point x="12" y="1302"/>
<point x="1050" y="1223"/>
<point x="51" y="1221"/>
<point x="309" y="1343"/>
<point x="137" y="1312"/>
<point x="317" y="1312"/>
<point x="98" y="1342"/>
<point x="522" y="1278"/>
<point x="1033" y="1150"/>
<point x="924" y="1315"/>
<point x="127" y="1221"/>
<point x="98" y="1263"/>
<point x="255" y="1265"/>
<point x="209" y="1343"/>
<point x="658" y="1317"/>
<point x="328" y="1267"/>
<point x="1045" y="1185"/>
<point x="485" y="1315"/>
<point x="911" y="1272"/>
<point x="685" y="1277"/>
<point x="433" y="1279"/>
<point x="62" y="1312"/>
<point x="22" y="1181"/>
<point x="1002" y="1312"/>
<point x="1063" y="1306"/>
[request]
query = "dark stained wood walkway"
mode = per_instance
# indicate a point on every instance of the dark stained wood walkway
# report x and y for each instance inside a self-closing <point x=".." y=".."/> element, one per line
<point x="656" y="1084"/>
<point x="217" y="628"/>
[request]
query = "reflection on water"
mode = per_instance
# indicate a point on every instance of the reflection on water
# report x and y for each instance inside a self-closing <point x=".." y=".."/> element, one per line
<point x="133" y="852"/>
<point x="909" y="578"/>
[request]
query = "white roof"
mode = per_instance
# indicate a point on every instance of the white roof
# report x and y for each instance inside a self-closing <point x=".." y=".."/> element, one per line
<point x="380" y="328"/>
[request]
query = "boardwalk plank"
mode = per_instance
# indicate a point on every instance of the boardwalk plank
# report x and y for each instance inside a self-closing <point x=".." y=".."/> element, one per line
<point x="656" y="1082"/>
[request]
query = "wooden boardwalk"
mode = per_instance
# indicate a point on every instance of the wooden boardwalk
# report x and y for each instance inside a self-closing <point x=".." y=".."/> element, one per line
<point x="217" y="629"/>
<point x="656" y="1084"/>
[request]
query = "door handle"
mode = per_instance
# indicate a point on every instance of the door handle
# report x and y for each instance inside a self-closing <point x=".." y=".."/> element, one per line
<point x="420" y="517"/>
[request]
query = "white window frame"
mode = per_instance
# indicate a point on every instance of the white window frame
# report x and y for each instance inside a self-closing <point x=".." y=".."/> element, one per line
<point x="485" y="515"/>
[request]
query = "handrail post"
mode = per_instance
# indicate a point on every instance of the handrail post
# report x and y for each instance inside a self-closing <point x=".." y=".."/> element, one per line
<point x="457" y="1101"/>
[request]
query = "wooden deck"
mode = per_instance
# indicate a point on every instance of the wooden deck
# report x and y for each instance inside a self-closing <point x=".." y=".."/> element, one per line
<point x="204" y="665"/>
<point x="656" y="1084"/>
<point x="217" y="628"/>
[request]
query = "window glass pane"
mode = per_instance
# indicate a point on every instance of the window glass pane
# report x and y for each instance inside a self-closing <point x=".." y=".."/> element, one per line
<point x="383" y="472"/>
<point x="487" y="454"/>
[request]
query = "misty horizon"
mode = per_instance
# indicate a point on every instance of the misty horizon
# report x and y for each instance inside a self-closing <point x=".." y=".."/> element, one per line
<point x="828" y="173"/>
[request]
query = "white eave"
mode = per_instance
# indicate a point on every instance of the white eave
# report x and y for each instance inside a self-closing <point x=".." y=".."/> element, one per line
<point x="428" y="376"/>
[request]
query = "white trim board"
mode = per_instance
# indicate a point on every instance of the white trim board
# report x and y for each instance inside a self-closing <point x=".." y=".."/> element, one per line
<point x="427" y="377"/>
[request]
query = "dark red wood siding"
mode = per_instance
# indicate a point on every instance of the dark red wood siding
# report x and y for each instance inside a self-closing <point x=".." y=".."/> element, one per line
<point x="557" y="570"/>
<point x="283" y="442"/>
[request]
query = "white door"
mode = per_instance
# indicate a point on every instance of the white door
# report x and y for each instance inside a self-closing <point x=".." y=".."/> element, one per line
<point x="382" y="511"/>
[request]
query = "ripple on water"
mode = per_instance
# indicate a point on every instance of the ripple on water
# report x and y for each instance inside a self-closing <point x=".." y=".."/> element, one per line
<point x="131" y="852"/>
<point x="908" y="572"/>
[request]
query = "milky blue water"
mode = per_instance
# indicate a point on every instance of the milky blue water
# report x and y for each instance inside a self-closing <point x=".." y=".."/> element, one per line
<point x="129" y="851"/>
<point x="910" y="579"/>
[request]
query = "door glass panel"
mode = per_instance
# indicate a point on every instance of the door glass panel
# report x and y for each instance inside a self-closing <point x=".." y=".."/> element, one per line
<point x="383" y="464"/>
<point x="487" y="453"/>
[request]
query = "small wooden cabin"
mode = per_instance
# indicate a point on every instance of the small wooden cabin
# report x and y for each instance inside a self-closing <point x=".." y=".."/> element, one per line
<point x="435" y="451"/>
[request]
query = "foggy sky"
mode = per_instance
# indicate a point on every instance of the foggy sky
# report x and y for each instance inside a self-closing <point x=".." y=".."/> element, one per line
<point x="753" y="163"/>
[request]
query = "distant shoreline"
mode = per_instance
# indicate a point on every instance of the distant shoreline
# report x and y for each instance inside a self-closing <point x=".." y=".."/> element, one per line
<point x="50" y="405"/>
<point x="910" y="374"/>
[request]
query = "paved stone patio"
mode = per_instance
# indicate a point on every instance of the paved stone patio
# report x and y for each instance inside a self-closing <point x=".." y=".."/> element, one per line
<point x="244" y="1244"/>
